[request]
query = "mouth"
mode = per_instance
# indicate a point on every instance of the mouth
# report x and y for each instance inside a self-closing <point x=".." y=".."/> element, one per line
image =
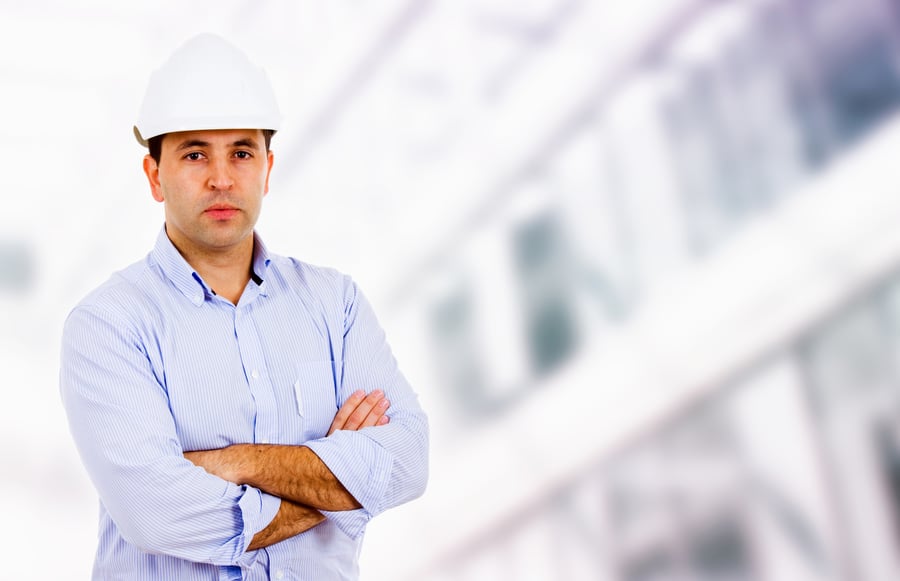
<point x="221" y="211"/>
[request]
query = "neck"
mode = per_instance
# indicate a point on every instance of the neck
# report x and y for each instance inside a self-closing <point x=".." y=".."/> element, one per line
<point x="226" y="270"/>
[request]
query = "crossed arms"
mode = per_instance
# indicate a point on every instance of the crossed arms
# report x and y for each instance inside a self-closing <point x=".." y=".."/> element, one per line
<point x="294" y="473"/>
<point x="245" y="496"/>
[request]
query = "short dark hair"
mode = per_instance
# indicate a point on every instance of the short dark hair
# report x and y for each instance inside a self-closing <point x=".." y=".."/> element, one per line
<point x="155" y="144"/>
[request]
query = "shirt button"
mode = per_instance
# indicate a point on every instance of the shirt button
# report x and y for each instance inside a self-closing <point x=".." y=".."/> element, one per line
<point x="264" y="441"/>
<point x="254" y="374"/>
<point x="279" y="574"/>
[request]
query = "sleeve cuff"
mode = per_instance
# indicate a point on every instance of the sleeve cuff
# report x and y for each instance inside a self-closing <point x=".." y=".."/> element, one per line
<point x="360" y="464"/>
<point x="270" y="505"/>
<point x="257" y="511"/>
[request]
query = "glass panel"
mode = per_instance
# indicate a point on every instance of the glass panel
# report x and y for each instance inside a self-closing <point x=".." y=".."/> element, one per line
<point x="16" y="267"/>
<point x="456" y="351"/>
<point x="541" y="264"/>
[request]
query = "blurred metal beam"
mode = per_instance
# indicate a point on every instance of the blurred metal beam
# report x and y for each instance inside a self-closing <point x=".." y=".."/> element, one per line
<point x="499" y="193"/>
<point x="353" y="85"/>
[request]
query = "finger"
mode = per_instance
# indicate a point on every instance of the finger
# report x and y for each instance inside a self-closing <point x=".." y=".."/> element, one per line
<point x="345" y="410"/>
<point x="362" y="410"/>
<point x="376" y="413"/>
<point x="340" y="419"/>
<point x="384" y="420"/>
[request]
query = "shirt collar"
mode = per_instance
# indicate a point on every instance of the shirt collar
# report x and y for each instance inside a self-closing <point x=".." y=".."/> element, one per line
<point x="188" y="281"/>
<point x="261" y="260"/>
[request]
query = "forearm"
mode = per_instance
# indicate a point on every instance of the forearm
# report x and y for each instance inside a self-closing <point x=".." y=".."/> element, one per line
<point x="381" y="468"/>
<point x="294" y="473"/>
<point x="292" y="519"/>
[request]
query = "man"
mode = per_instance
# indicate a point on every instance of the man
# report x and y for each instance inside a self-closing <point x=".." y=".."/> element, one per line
<point x="239" y="413"/>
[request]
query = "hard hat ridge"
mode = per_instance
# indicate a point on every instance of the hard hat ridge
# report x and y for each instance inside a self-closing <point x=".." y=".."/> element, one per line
<point x="207" y="83"/>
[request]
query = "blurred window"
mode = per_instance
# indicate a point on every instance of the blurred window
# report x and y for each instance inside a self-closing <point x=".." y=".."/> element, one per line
<point x="719" y="553"/>
<point x="542" y="266"/>
<point x="456" y="351"/>
<point x="861" y="85"/>
<point x="16" y="267"/>
<point x="656" y="565"/>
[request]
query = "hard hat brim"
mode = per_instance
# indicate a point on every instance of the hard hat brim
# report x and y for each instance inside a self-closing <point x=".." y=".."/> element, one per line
<point x="177" y="125"/>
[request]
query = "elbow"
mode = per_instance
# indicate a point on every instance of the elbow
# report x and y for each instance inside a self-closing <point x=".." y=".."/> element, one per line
<point x="152" y="533"/>
<point x="418" y="485"/>
<point x="146" y="535"/>
<point x="420" y="481"/>
<point x="417" y="468"/>
<point x="158" y="535"/>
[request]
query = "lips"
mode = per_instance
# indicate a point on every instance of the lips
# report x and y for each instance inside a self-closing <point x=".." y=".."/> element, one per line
<point x="221" y="211"/>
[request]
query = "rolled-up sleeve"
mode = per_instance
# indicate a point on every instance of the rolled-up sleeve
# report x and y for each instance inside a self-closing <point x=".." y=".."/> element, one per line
<point x="124" y="431"/>
<point x="383" y="466"/>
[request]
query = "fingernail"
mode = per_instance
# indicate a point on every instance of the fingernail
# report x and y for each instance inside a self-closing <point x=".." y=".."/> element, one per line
<point x="378" y="393"/>
<point x="384" y="403"/>
<point x="357" y="393"/>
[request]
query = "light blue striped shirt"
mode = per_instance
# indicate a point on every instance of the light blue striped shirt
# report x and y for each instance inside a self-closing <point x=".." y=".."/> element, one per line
<point x="154" y="363"/>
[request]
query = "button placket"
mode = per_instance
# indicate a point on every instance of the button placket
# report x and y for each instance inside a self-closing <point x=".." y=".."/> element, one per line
<point x="258" y="380"/>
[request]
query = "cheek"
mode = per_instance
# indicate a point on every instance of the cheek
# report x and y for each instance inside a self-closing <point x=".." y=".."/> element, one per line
<point x="175" y="203"/>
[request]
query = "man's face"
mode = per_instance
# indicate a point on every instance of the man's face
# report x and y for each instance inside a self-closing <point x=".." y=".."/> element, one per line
<point x="212" y="183"/>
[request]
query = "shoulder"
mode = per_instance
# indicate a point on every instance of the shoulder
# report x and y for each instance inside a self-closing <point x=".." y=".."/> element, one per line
<point x="319" y="281"/>
<point x="122" y="297"/>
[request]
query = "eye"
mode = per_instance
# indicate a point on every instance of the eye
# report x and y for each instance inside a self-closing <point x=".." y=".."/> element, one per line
<point x="194" y="156"/>
<point x="243" y="154"/>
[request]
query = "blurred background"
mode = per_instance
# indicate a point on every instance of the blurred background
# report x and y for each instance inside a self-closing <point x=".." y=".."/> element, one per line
<point x="641" y="260"/>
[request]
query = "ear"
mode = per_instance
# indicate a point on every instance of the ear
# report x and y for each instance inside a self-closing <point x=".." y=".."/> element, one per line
<point x="271" y="160"/>
<point x="151" y="169"/>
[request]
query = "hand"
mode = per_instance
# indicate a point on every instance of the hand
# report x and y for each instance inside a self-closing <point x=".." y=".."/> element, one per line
<point x="361" y="411"/>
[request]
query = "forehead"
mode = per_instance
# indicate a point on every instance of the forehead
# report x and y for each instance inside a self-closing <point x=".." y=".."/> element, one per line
<point x="214" y="138"/>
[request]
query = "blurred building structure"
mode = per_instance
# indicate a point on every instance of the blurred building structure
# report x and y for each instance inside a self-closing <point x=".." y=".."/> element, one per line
<point x="642" y="261"/>
<point x="660" y="320"/>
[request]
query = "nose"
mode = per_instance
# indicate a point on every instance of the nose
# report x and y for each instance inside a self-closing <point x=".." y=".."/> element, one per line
<point x="219" y="175"/>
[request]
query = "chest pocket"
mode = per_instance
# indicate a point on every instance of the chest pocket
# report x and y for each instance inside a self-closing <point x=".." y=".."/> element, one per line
<point x="315" y="398"/>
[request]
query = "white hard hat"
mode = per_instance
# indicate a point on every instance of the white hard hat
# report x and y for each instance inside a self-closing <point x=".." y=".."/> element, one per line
<point x="207" y="83"/>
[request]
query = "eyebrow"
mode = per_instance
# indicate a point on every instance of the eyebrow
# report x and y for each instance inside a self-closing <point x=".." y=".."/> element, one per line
<point x="191" y="143"/>
<point x="246" y="142"/>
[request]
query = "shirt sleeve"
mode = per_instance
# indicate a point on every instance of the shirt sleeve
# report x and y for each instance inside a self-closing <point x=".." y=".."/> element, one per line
<point x="125" y="434"/>
<point x="383" y="466"/>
